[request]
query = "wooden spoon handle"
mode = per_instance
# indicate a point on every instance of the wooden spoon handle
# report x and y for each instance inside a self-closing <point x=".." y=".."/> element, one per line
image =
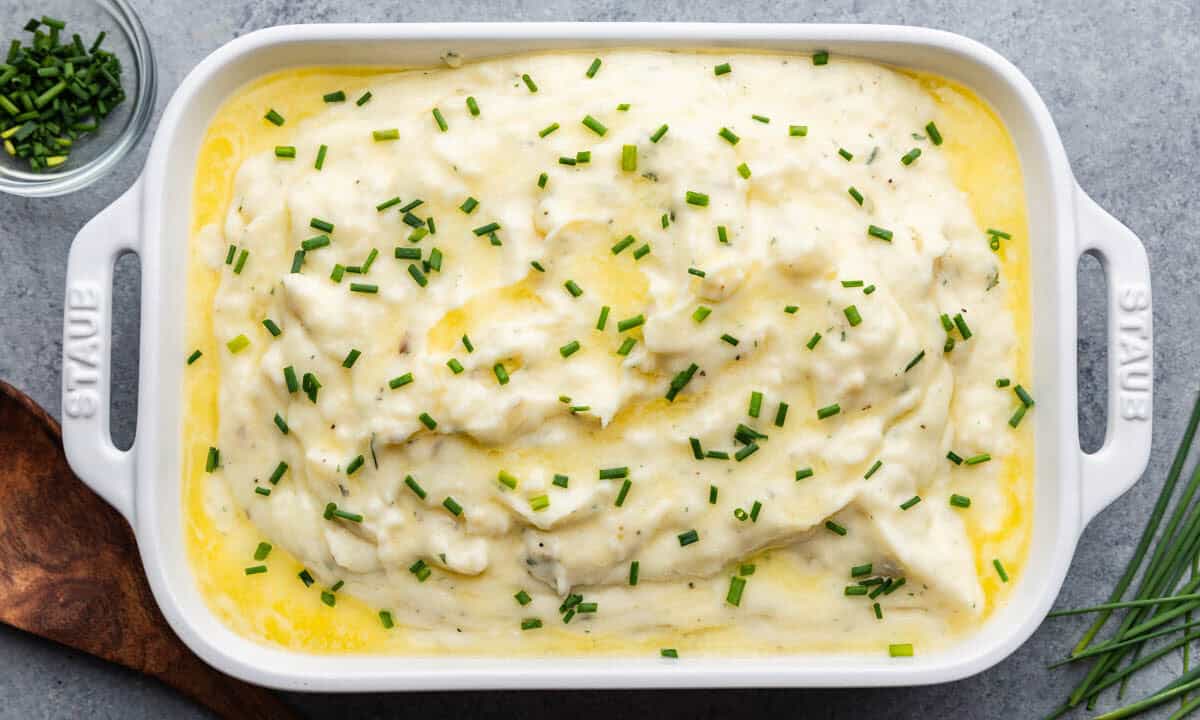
<point x="70" y="570"/>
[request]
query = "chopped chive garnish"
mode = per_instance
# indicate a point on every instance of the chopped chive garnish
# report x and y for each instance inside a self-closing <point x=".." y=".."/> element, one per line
<point x="947" y="323"/>
<point x="289" y="378"/>
<point x="500" y="373"/>
<point x="306" y="578"/>
<point x="659" y="133"/>
<point x="755" y="408"/>
<point x="797" y="130"/>
<point x="522" y="598"/>
<point x="274" y="118"/>
<point x="367" y="288"/>
<point x="417" y="275"/>
<point x="878" y="232"/>
<point x="977" y="459"/>
<point x="728" y="135"/>
<point x="633" y="572"/>
<point x="744" y="171"/>
<point x="507" y="479"/>
<point x="454" y="365"/>
<point x="400" y="381"/>
<point x="874" y="469"/>
<point x="954" y="458"/>
<point x="762" y="119"/>
<point x="911" y="156"/>
<point x="427" y="420"/>
<point x="695" y="198"/>
<point x="542" y="179"/>
<point x="323" y="225"/>
<point x="241" y="262"/>
<point x="466" y="341"/>
<point x="560" y="480"/>
<point x="1023" y="394"/>
<point x="452" y="505"/>
<point x="238" y="344"/>
<point x="854" y="193"/>
<point x="355" y="464"/>
<point x="414" y="486"/>
<point x="256" y="570"/>
<point x="626" y="345"/>
<point x="387" y="204"/>
<point x="701" y="313"/>
<point x="630" y="323"/>
<point x="745" y="452"/>
<point x="669" y="653"/>
<point x="680" y="381"/>
<point x="485" y="229"/>
<point x="573" y="288"/>
<point x="320" y="161"/>
<point x="385" y="619"/>
<point x="1017" y="415"/>
<point x="834" y="527"/>
<point x="529" y="83"/>
<point x="688" y="537"/>
<point x="278" y="472"/>
<point x="722" y="235"/>
<point x="328" y="598"/>
<point x="531" y="623"/>
<point x="440" y="120"/>
<point x="337" y="96"/>
<point x="614" y="473"/>
<point x="804" y="473"/>
<point x="342" y="514"/>
<point x="960" y="501"/>
<point x="310" y="385"/>
<point x="821" y="57"/>
<point x="623" y="107"/>
<point x="717" y="454"/>
<point x="736" y="586"/>
<point x="696" y="271"/>
<point x="868" y="290"/>
<point x="363" y="99"/>
<point x="315" y="243"/>
<point x="860" y="570"/>
<point x="853" y="590"/>
<point x="629" y="158"/>
<point x="755" y="509"/>
<point x="285" y="151"/>
<point x="722" y="69"/>
<point x="387" y="134"/>
<point x="593" y="68"/>
<point x="910" y="502"/>
<point x="583" y="156"/>
<point x="351" y="357"/>
<point x="1000" y="567"/>
<point x="828" y="411"/>
<point x="264" y="491"/>
<point x="622" y="244"/>
<point x="569" y="349"/>
<point x="916" y="359"/>
<point x="846" y="154"/>
<point x="730" y="339"/>
<point x="594" y="125"/>
<point x="1003" y="382"/>
<point x="602" y="321"/>
<point x="697" y="451"/>
<point x="421" y="570"/>
<point x="548" y="129"/>
<point x="281" y="424"/>
<point x="998" y="233"/>
<point x="229" y="254"/>
<point x="194" y="356"/>
<point x="934" y="135"/>
<point x="403" y="253"/>
<point x="812" y="341"/>
<point x="623" y="493"/>
<point x="961" y="324"/>
<point x="213" y="460"/>
<point x="852" y="316"/>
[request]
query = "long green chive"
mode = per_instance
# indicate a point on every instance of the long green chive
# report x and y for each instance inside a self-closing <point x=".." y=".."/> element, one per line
<point x="274" y="118"/>
<point x="736" y="586"/>
<point x="629" y="158"/>
<point x="916" y="359"/>
<point x="852" y="316"/>
<point x="911" y="156"/>
<point x="594" y="125"/>
<point x="414" y="486"/>
<point x="910" y="502"/>
<point x="569" y="349"/>
<point x="366" y="288"/>
<point x="440" y="120"/>
<point x="194" y="356"/>
<point x="500" y="373"/>
<point x="960" y="501"/>
<point x="334" y="97"/>
<point x="622" y="244"/>
<point x="403" y="253"/>
<point x="828" y="411"/>
<point x="289" y="379"/>
<point x="311" y="386"/>
<point x="804" y="473"/>
<point x="213" y="460"/>
<point x="934" y="135"/>
<point x="833" y="527"/>
<point x="633" y="572"/>
<point x="363" y="99"/>
<point x="355" y="464"/>
<point x="781" y="414"/>
<point x="688" y="537"/>
<point x="256" y="570"/>
<point x="745" y="452"/>
<point x="659" y="133"/>
<point x="427" y="420"/>
<point x="878" y="232"/>
<point x="860" y="570"/>
<point x="452" y="505"/>
<point x="614" y="473"/>
<point x="278" y="472"/>
<point x="854" y="590"/>
<point x="729" y="136"/>
<point x="730" y="339"/>
<point x="323" y="225"/>
<point x="696" y="198"/>
<point x="717" y="455"/>
<point x="1023" y="394"/>
<point x="996" y="561"/>
<point x="874" y="469"/>
<point x="417" y="275"/>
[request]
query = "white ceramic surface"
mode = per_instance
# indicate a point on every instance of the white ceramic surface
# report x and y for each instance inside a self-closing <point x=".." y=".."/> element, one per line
<point x="153" y="218"/>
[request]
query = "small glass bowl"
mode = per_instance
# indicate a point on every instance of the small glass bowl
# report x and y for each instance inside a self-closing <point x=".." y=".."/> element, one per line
<point x="95" y="153"/>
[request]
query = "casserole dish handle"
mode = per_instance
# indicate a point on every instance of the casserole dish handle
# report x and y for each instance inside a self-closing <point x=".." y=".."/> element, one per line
<point x="1115" y="467"/>
<point x="87" y="325"/>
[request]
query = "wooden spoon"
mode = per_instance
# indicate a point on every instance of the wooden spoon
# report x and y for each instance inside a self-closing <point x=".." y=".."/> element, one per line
<point x="70" y="570"/>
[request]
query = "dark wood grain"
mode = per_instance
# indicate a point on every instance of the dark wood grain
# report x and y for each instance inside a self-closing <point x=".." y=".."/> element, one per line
<point x="70" y="570"/>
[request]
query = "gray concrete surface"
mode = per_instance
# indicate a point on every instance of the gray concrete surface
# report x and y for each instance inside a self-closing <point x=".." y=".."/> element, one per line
<point x="1120" y="81"/>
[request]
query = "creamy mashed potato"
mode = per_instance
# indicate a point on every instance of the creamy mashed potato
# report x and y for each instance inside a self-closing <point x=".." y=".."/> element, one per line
<point x="669" y="394"/>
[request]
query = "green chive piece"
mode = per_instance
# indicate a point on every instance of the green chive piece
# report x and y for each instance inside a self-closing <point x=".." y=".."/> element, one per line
<point x="797" y="130"/>
<point x="728" y="135"/>
<point x="320" y="161"/>
<point x="440" y="120"/>
<point x="629" y="158"/>
<point x="403" y="253"/>
<point x="762" y="119"/>
<point x="593" y="68"/>
<point x="354" y="465"/>
<point x="400" y="381"/>
<point x="852" y="316"/>
<point x="1017" y="415"/>
<point x="659" y="133"/>
<point x="264" y="491"/>
<point x="821" y="57"/>
<point x="860" y="570"/>
<point x="910" y="502"/>
<point x="614" y="473"/>
<point x="466" y="341"/>
<point x="337" y="96"/>
<point x="961" y="324"/>
<point x="828" y="411"/>
<point x="364" y="99"/>
<point x="834" y="528"/>
<point x="695" y="198"/>
<point x="804" y="473"/>
<point x="630" y="323"/>
<point x="387" y="204"/>
<point x="529" y="83"/>
<point x="622" y="244"/>
<point x="417" y="276"/>
<point x="569" y="349"/>
<point x="916" y="359"/>
<point x="323" y="225"/>
<point x="756" y="399"/>
<point x="701" y="313"/>
<point x="507" y="479"/>
<point x="717" y="454"/>
<point x="688" y="537"/>
<point x="874" y="468"/>
<point x="812" y="341"/>
<point x="573" y="288"/>
<point x="305" y="578"/>
<point x="366" y="288"/>
<point x="696" y="271"/>
<point x="500" y="373"/>
<point x="454" y="365"/>
<point x="351" y="358"/>
<point x="289" y="378"/>
<point x="669" y="653"/>
<point x="868" y="290"/>
<point x="846" y="154"/>
<point x="388" y="134"/>
<point x="878" y="232"/>
<point x="954" y="458"/>
<point x="281" y="424"/>
<point x="623" y="107"/>
<point x="623" y="493"/>
<point x="256" y="570"/>
<point x="633" y="572"/>
<point x="583" y="156"/>
<point x="744" y="171"/>
<point x="421" y="570"/>
<point x="213" y="460"/>
<point x="561" y="480"/>
<point x="1003" y="382"/>
<point x="486" y="229"/>
<point x="697" y="451"/>
<point x="1023" y="394"/>
<point x="911" y="156"/>
<point x="680" y="381"/>
<point x="194" y="356"/>
<point x="996" y="561"/>
<point x="977" y="459"/>
<point x="238" y="344"/>
<point x="385" y="619"/>
<point x="414" y="486"/>
<point x="274" y="118"/>
<point x="452" y="505"/>
<point x="854" y="193"/>
<point x="315" y="243"/>
<point x="542" y="179"/>
<point x="548" y="129"/>
<point x="736" y="586"/>
<point x="602" y="321"/>
<point x="277" y="474"/>
<point x="241" y="262"/>
<point x="852" y="590"/>
<point x="745" y="452"/>
<point x="960" y="501"/>
<point x="594" y="125"/>
<point x="626" y="345"/>
<point x="730" y="339"/>
<point x="934" y="135"/>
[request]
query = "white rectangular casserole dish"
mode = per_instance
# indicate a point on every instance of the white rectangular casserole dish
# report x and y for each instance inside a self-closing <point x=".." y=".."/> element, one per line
<point x="152" y="219"/>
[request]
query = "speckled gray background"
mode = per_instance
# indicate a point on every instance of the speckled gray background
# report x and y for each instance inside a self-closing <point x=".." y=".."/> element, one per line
<point x="1120" y="80"/>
